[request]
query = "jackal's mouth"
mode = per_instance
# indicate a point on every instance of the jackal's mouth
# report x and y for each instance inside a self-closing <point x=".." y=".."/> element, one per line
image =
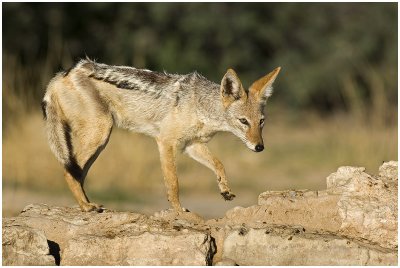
<point x="256" y="148"/>
<point x="251" y="146"/>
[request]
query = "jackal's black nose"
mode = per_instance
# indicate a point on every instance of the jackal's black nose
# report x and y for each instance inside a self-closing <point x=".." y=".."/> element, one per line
<point x="259" y="147"/>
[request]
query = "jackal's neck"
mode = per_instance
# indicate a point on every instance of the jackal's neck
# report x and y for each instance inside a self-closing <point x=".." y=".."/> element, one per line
<point x="211" y="110"/>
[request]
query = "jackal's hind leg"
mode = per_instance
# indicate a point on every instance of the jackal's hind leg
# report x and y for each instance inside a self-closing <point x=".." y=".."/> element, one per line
<point x="91" y="140"/>
<point x="201" y="153"/>
<point x="79" y="193"/>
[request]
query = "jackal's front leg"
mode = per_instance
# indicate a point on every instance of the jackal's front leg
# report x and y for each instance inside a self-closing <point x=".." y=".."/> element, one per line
<point x="167" y="157"/>
<point x="201" y="153"/>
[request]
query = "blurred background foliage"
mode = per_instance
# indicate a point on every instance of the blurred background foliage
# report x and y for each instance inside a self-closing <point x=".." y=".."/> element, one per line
<point x="321" y="47"/>
<point x="339" y="71"/>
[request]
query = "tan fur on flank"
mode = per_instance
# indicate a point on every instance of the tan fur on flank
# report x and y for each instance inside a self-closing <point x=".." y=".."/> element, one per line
<point x="182" y="113"/>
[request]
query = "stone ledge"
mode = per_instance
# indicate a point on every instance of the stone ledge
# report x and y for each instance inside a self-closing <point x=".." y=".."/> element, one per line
<point x="352" y="222"/>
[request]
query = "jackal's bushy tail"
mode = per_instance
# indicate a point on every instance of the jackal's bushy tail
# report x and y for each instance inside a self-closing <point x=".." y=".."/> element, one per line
<point x="57" y="132"/>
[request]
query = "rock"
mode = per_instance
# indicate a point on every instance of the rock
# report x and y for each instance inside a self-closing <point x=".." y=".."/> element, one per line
<point x="389" y="171"/>
<point x="226" y="262"/>
<point x="289" y="246"/>
<point x="352" y="222"/>
<point x="355" y="207"/>
<point x="60" y="224"/>
<point x="319" y="213"/>
<point x="119" y="238"/>
<point x="187" y="218"/>
<point x="355" y="204"/>
<point x="368" y="207"/>
<point x="22" y="245"/>
<point x="310" y="209"/>
<point x="192" y="248"/>
<point x="336" y="181"/>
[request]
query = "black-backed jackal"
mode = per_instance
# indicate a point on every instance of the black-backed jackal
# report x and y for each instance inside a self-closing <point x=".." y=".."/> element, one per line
<point x="182" y="112"/>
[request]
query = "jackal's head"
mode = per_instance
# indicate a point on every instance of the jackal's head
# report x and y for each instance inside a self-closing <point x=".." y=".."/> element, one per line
<point x="245" y="108"/>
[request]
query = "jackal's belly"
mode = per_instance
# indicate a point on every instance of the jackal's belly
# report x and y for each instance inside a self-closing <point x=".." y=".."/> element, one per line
<point x="138" y="113"/>
<point x="139" y="124"/>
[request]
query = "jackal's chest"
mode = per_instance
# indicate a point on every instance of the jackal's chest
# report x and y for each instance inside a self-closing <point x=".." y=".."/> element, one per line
<point x="202" y="132"/>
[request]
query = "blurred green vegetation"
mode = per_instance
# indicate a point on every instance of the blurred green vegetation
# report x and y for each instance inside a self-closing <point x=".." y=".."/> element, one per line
<point x="331" y="53"/>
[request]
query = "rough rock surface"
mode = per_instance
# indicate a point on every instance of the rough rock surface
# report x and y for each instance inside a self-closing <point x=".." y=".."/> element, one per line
<point x="293" y="246"/>
<point x="358" y="210"/>
<point x="144" y="249"/>
<point x="352" y="222"/>
<point x="367" y="206"/>
<point x="118" y="238"/>
<point x="23" y="245"/>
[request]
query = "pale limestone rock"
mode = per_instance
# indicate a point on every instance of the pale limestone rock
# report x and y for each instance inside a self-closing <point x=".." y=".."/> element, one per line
<point x="62" y="223"/>
<point x="306" y="208"/>
<point x="355" y="204"/>
<point x="368" y="207"/>
<point x="226" y="262"/>
<point x="22" y="245"/>
<point x="389" y="171"/>
<point x="353" y="222"/>
<point x="109" y="238"/>
<point x="336" y="181"/>
<point x="191" y="248"/>
<point x="290" y="246"/>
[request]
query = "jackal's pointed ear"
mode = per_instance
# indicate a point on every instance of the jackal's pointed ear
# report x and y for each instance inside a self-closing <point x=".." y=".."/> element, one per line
<point x="231" y="88"/>
<point x="262" y="88"/>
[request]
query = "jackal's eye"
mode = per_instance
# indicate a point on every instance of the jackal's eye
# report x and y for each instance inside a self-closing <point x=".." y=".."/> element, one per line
<point x="244" y="121"/>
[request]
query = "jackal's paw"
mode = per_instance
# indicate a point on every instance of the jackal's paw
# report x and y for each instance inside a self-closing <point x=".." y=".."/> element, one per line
<point x="180" y="210"/>
<point x="228" y="196"/>
<point x="92" y="207"/>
